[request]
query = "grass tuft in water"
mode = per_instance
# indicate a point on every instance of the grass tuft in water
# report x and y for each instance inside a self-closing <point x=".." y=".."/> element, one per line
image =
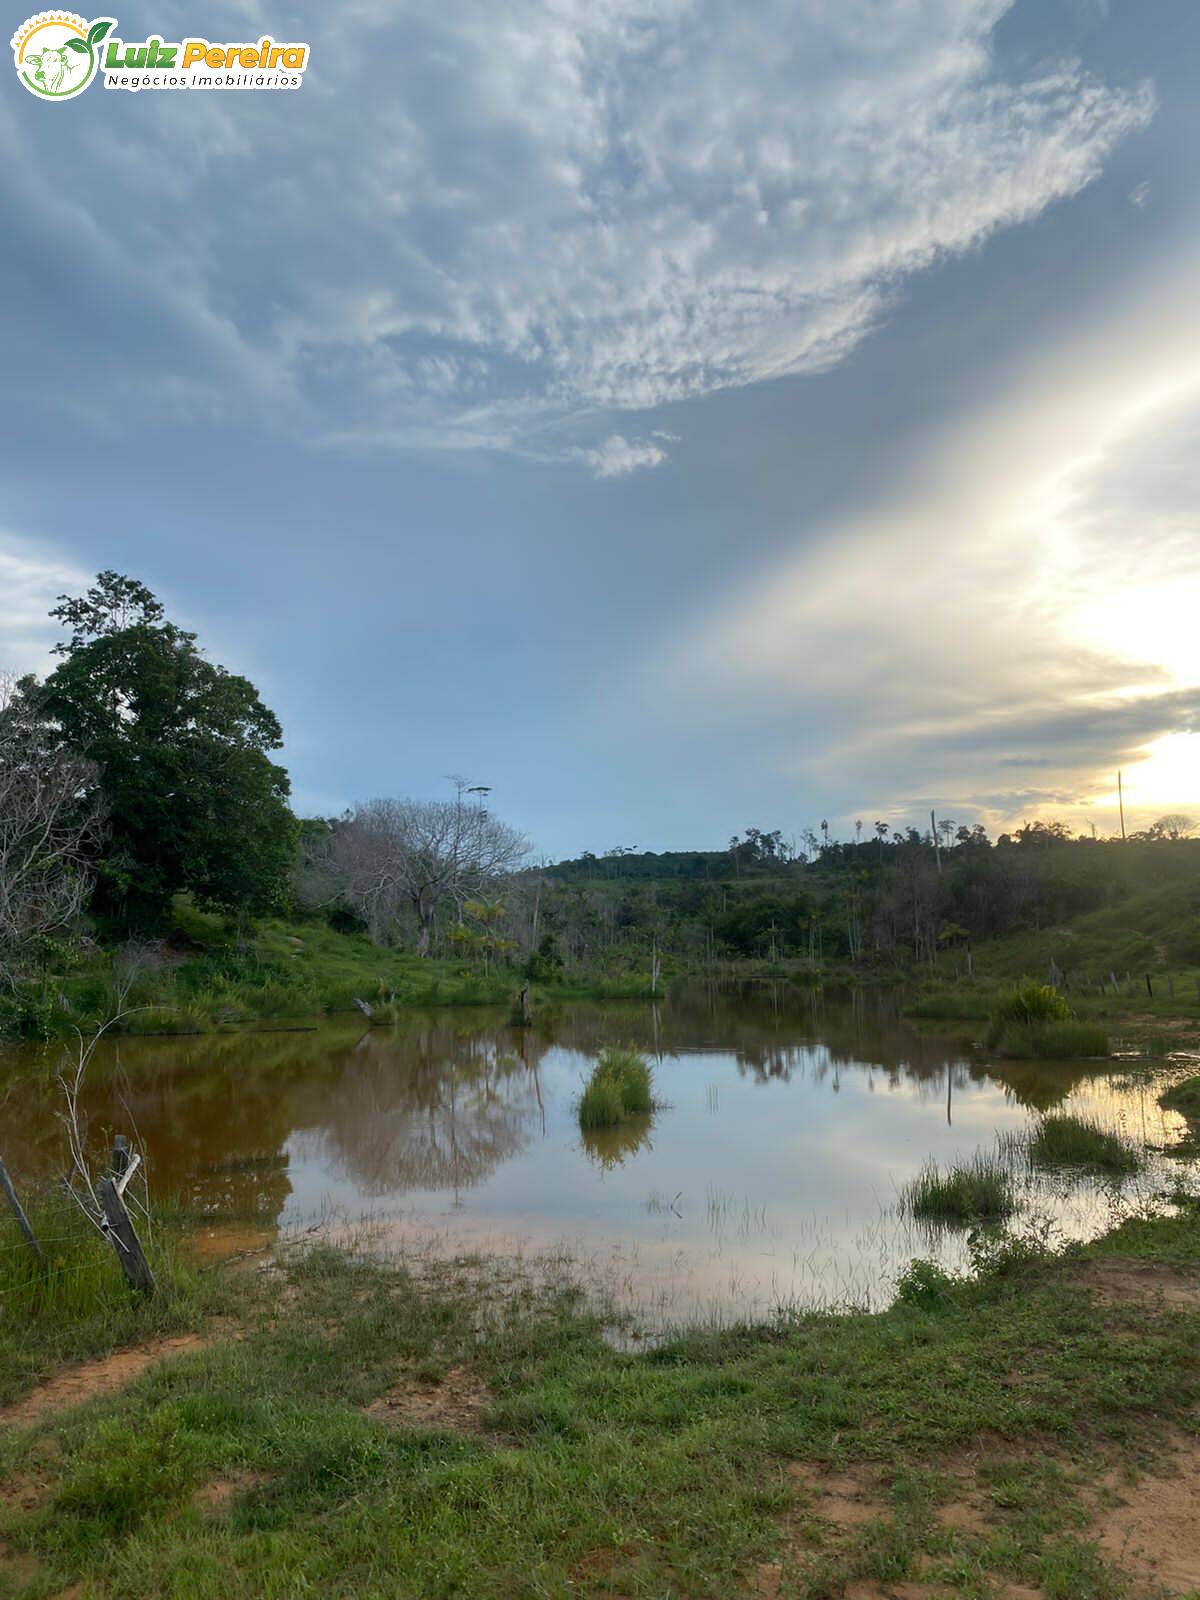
<point x="619" y="1087"/>
<point x="1050" y="1041"/>
<point x="1183" y="1097"/>
<point x="976" y="1191"/>
<point x="1064" y="1141"/>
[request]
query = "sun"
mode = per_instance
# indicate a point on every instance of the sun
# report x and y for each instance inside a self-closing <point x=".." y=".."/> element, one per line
<point x="1152" y="624"/>
<point x="1169" y="775"/>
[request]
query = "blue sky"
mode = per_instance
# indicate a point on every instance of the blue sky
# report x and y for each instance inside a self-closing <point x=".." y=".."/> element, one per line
<point x="680" y="416"/>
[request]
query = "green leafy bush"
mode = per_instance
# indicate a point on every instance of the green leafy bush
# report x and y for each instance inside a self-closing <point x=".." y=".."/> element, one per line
<point x="924" y="1285"/>
<point x="28" y="1012"/>
<point x="1029" y="1004"/>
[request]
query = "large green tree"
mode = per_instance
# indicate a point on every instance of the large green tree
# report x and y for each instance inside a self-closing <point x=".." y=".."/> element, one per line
<point x="179" y="747"/>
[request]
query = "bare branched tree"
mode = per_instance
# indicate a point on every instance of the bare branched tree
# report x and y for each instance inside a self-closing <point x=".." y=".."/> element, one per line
<point x="48" y="821"/>
<point x="392" y="856"/>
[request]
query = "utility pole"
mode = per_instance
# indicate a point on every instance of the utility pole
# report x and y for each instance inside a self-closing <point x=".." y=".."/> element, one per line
<point x="1121" y="803"/>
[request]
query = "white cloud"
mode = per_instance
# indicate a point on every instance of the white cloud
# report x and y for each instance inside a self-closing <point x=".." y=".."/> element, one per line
<point x="617" y="457"/>
<point x="30" y="583"/>
<point x="481" y="222"/>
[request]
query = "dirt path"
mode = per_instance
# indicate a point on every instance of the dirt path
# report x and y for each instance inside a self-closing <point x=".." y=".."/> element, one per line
<point x="102" y="1376"/>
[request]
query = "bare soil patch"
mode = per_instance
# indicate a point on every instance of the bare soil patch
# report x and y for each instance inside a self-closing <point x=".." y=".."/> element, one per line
<point x="846" y="1499"/>
<point x="1113" y="1280"/>
<point x="22" y="1493"/>
<point x="873" y="1589"/>
<point x="215" y="1498"/>
<point x="1153" y="1529"/>
<point x="16" y="1569"/>
<point x="102" y="1376"/>
<point x="456" y="1404"/>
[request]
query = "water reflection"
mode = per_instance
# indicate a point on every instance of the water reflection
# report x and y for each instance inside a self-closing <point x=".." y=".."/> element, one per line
<point x="612" y="1147"/>
<point x="789" y="1122"/>
<point x="440" y="1110"/>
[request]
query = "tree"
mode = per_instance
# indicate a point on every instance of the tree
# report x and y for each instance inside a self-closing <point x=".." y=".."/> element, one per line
<point x="179" y="749"/>
<point x="49" y="819"/>
<point x="394" y="855"/>
<point x="1174" y="826"/>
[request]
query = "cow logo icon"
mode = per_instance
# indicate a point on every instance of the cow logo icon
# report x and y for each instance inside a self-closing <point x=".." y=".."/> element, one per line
<point x="57" y="54"/>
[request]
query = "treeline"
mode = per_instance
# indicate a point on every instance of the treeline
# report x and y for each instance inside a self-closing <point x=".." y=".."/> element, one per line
<point x="887" y="897"/>
<point x="138" y="772"/>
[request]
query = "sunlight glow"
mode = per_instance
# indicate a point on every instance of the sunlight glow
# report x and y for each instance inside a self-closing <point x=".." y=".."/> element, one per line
<point x="1166" y="780"/>
<point x="1151" y="625"/>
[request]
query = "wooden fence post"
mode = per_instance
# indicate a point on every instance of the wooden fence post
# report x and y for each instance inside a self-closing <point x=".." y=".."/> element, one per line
<point x="18" y="1211"/>
<point x="121" y="1232"/>
<point x="120" y="1155"/>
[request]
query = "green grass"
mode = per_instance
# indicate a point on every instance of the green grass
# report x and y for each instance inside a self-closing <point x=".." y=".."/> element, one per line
<point x="620" y="1087"/>
<point x="208" y="976"/>
<point x="1050" y="1041"/>
<point x="77" y="1303"/>
<point x="1065" y="1141"/>
<point x="591" y="1471"/>
<point x="979" y="1191"/>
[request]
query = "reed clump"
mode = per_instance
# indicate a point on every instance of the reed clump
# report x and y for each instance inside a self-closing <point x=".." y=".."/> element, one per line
<point x="974" y="1191"/>
<point x="620" y="1087"/>
<point x="1066" y="1141"/>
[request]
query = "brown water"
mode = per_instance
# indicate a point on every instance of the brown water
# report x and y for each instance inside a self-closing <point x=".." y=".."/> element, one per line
<point x="769" y="1176"/>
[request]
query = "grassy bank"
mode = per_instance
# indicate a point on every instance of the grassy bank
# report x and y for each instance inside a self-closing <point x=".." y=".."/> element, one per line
<point x="467" y="1431"/>
<point x="204" y="975"/>
<point x="75" y="1303"/>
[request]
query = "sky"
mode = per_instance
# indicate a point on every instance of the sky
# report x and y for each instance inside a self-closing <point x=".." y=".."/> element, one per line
<point x="679" y="415"/>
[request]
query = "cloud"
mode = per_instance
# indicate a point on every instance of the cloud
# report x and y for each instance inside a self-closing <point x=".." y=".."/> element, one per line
<point x="30" y="583"/>
<point x="617" y="457"/>
<point x="479" y="224"/>
<point x="1012" y="627"/>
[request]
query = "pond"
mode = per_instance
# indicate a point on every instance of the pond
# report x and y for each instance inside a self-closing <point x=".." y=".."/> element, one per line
<point x="770" y="1174"/>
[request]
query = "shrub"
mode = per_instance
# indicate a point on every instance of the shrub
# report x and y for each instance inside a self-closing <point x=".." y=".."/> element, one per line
<point x="619" y="1087"/>
<point x="27" y="1012"/>
<point x="924" y="1285"/>
<point x="978" y="1191"/>
<point x="1063" y="1141"/>
<point x="1027" y="1005"/>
